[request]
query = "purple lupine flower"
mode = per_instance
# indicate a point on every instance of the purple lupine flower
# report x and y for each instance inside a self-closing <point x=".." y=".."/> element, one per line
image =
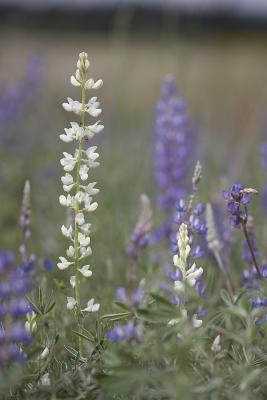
<point x="174" y="138"/>
<point x="130" y="299"/>
<point x="129" y="332"/>
<point x="15" y="284"/>
<point x="250" y="278"/>
<point x="15" y="99"/>
<point x="48" y="264"/>
<point x="238" y="197"/>
<point x="261" y="304"/>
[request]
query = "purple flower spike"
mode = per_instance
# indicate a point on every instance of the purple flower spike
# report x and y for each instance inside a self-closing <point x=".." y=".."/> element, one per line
<point x="15" y="283"/>
<point x="174" y="146"/>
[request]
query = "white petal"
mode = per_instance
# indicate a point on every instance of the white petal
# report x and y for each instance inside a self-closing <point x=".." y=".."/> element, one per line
<point x="85" y="271"/>
<point x="98" y="84"/>
<point x="74" y="81"/>
<point x="79" y="219"/>
<point x="71" y="303"/>
<point x="67" y="179"/>
<point x="73" y="281"/>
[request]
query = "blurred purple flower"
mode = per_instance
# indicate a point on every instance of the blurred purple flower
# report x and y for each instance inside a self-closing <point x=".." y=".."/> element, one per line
<point x="174" y="145"/>
<point x="128" y="332"/>
<point x="15" y="99"/>
<point x="14" y="286"/>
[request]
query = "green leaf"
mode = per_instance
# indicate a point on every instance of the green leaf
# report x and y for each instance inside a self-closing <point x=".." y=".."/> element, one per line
<point x="116" y="317"/>
<point x="161" y="299"/>
<point x="83" y="336"/>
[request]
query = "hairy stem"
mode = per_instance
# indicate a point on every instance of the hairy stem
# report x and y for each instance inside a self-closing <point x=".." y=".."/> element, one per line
<point x="243" y="223"/>
<point x="76" y="241"/>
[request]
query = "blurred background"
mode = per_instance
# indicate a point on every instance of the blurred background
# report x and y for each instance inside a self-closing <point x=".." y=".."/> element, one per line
<point x="215" y="49"/>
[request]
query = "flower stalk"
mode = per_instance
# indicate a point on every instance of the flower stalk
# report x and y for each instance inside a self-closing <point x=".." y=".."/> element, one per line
<point x="81" y="202"/>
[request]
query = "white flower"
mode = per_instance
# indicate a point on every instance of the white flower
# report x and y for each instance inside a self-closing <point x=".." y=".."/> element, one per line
<point x="30" y="324"/>
<point x="90" y="189"/>
<point x="71" y="303"/>
<point x="79" y="197"/>
<point x="70" y="251"/>
<point x="45" y="380"/>
<point x="66" y="201"/>
<point x="178" y="286"/>
<point x="216" y="345"/>
<point x="174" y="321"/>
<point x="80" y="162"/>
<point x="193" y="274"/>
<point x="67" y="231"/>
<point x="91" y="107"/>
<point x="92" y="156"/>
<point x="67" y="179"/>
<point x="85" y="228"/>
<point x="85" y="271"/>
<point x="76" y="132"/>
<point x="83" y="62"/>
<point x="63" y="264"/>
<point x="68" y="188"/>
<point x="68" y="162"/>
<point x="91" y="307"/>
<point x="88" y="206"/>
<point x="84" y="172"/>
<point x="44" y="353"/>
<point x="91" y="84"/>
<point x="91" y="130"/>
<point x="196" y="322"/>
<point x="85" y="252"/>
<point x="83" y="240"/>
<point x="73" y="281"/>
<point x="69" y="135"/>
<point x="79" y="219"/>
<point x="74" y="80"/>
<point x="73" y="105"/>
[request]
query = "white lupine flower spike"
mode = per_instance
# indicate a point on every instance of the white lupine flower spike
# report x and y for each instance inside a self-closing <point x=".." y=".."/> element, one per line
<point x="187" y="273"/>
<point x="78" y="191"/>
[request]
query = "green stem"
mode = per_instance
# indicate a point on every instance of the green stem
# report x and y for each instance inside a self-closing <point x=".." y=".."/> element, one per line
<point x="250" y="247"/>
<point x="76" y="242"/>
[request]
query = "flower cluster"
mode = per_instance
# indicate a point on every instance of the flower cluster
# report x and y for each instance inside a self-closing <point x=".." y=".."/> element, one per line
<point x="14" y="99"/>
<point x="196" y="223"/>
<point x="129" y="332"/>
<point x="79" y="193"/>
<point x="185" y="274"/>
<point x="14" y="307"/>
<point x="238" y="197"/>
<point x="174" y="141"/>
